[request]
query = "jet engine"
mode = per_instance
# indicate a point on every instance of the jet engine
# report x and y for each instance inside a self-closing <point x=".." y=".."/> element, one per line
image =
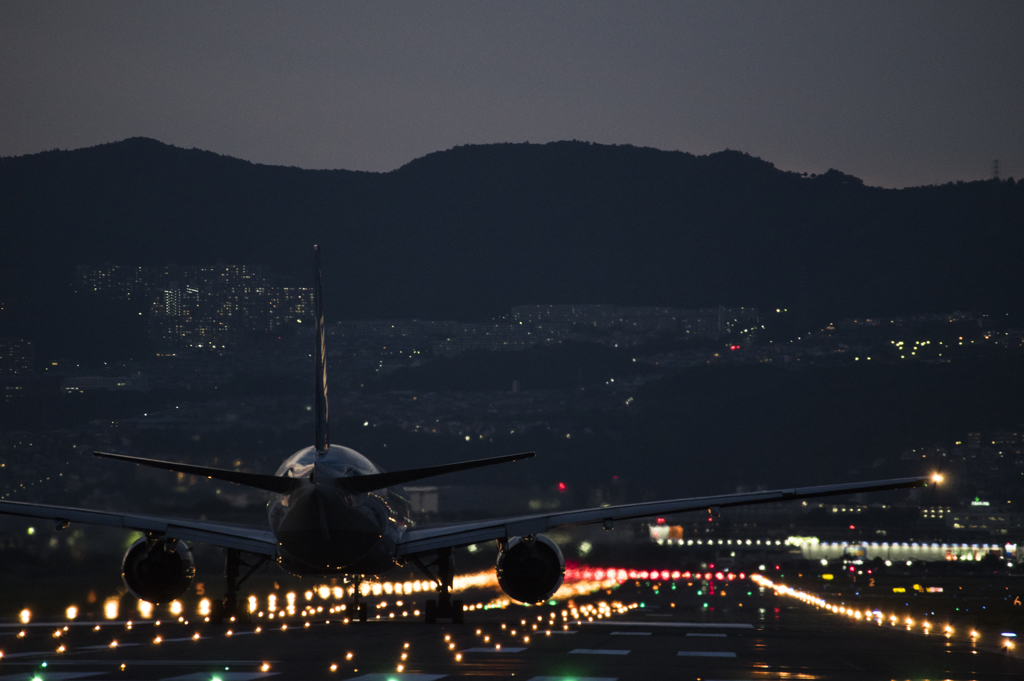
<point x="158" y="570"/>
<point x="530" y="569"/>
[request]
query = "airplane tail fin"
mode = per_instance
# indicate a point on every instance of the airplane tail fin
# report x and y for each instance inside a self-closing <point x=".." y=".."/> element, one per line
<point x="323" y="439"/>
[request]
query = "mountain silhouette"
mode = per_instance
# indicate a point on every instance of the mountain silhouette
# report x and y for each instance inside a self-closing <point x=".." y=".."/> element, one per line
<point x="468" y="232"/>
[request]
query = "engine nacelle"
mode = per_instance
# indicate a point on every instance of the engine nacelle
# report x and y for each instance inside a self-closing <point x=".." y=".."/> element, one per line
<point x="158" y="571"/>
<point x="530" y="570"/>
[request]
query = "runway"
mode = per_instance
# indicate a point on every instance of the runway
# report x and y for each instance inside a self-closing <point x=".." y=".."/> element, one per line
<point x="634" y="632"/>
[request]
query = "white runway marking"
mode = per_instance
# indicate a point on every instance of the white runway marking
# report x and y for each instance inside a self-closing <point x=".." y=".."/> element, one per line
<point x="575" y="678"/>
<point x="108" y="647"/>
<point x="503" y="649"/>
<point x="702" y="653"/>
<point x="50" y="676"/>
<point x="636" y="633"/>
<point x="706" y="635"/>
<point x="692" y="625"/>
<point x="153" y="663"/>
<point x="597" y="651"/>
<point x="563" y="632"/>
<point x="223" y="676"/>
<point x="398" y="677"/>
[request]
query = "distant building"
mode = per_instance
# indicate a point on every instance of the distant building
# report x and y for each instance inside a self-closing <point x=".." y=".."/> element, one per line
<point x="138" y="382"/>
<point x="201" y="307"/>
<point x="15" y="356"/>
<point x="986" y="521"/>
<point x="710" y="322"/>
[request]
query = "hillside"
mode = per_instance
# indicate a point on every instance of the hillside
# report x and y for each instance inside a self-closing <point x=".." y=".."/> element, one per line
<point x="468" y="232"/>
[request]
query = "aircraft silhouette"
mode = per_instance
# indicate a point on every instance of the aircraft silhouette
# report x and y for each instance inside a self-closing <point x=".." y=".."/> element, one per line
<point x="333" y="512"/>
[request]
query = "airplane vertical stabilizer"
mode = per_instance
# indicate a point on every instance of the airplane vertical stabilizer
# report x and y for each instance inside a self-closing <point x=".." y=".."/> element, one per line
<point x="323" y="439"/>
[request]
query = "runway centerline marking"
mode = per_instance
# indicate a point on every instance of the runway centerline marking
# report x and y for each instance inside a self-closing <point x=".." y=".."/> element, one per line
<point x="644" y="633"/>
<point x="693" y="633"/>
<point x="597" y="651"/>
<point x="398" y="677"/>
<point x="575" y="678"/>
<point x="53" y="676"/>
<point x="494" y="650"/>
<point x="703" y="653"/>
<point x="691" y="625"/>
<point x="151" y="663"/>
<point x="224" y="676"/>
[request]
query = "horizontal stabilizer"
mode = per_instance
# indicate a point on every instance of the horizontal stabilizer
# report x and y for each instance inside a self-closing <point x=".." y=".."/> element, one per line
<point x="270" y="483"/>
<point x="368" y="483"/>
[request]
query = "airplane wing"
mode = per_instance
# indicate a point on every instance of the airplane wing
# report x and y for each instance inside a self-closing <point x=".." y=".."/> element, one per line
<point x="433" y="538"/>
<point x="248" y="539"/>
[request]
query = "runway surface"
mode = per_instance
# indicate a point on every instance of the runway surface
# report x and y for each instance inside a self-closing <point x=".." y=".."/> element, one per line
<point x="634" y="632"/>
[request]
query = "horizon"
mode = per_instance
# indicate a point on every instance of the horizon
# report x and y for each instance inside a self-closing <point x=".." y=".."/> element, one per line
<point x="899" y="95"/>
<point x="494" y="144"/>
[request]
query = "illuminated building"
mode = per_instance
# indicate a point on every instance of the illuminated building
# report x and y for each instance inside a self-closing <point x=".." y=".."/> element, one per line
<point x="711" y="322"/>
<point x="15" y="356"/>
<point x="201" y="307"/>
<point x="138" y="382"/>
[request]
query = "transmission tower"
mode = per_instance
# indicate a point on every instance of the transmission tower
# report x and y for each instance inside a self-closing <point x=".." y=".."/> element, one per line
<point x="995" y="169"/>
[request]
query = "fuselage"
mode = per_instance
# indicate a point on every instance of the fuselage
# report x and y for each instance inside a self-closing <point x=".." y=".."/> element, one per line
<point x="321" y="528"/>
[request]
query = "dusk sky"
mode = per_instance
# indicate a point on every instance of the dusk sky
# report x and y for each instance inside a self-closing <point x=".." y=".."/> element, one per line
<point x="897" y="93"/>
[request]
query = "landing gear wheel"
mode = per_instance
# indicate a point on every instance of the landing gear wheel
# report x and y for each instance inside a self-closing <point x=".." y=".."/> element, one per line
<point x="226" y="611"/>
<point x="443" y="574"/>
<point x="218" y="613"/>
<point x="363" y="612"/>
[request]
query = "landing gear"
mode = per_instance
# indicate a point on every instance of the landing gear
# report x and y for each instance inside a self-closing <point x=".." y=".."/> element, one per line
<point x="228" y="609"/>
<point x="444" y="572"/>
<point x="360" y="611"/>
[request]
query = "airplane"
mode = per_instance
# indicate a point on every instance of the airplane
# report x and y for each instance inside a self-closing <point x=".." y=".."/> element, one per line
<point x="334" y="512"/>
